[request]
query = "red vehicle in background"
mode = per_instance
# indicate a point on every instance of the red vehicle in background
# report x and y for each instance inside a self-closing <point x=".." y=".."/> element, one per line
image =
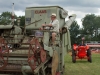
<point x="81" y="51"/>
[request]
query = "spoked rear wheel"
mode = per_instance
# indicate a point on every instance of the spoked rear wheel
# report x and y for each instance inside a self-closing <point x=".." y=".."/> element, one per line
<point x="89" y="55"/>
<point x="89" y="59"/>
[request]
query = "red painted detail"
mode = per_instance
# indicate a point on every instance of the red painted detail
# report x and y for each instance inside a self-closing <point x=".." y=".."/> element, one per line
<point x="2" y="52"/>
<point x="57" y="73"/>
<point x="40" y="11"/>
<point x="82" y="51"/>
<point x="32" y="62"/>
<point x="43" y="55"/>
<point x="75" y="46"/>
<point x="12" y="17"/>
<point x="36" y="54"/>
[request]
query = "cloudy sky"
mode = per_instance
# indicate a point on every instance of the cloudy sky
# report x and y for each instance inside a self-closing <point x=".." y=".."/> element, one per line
<point x="78" y="7"/>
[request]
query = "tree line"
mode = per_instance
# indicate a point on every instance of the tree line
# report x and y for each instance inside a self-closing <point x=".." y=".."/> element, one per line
<point x="89" y="30"/>
<point x="5" y="19"/>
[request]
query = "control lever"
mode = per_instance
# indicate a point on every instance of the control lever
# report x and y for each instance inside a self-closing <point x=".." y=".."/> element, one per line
<point x="44" y="27"/>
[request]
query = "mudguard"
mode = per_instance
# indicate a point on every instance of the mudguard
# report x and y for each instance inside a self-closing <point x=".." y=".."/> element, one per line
<point x="75" y="46"/>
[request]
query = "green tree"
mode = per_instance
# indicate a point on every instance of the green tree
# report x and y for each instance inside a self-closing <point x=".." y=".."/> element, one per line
<point x="91" y="23"/>
<point x="88" y="23"/>
<point x="22" y="21"/>
<point x="74" y="33"/>
<point x="97" y="25"/>
<point x="5" y="18"/>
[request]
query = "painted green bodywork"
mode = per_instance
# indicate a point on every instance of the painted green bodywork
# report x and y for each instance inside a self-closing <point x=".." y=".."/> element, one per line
<point x="36" y="16"/>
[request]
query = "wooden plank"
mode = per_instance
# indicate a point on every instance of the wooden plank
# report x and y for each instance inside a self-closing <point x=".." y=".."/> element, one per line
<point x="40" y="66"/>
<point x="54" y="62"/>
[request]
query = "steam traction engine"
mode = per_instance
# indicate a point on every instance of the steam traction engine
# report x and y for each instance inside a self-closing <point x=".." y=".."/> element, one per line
<point x="40" y="57"/>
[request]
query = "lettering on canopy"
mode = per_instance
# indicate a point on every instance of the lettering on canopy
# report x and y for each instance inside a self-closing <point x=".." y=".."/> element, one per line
<point x="40" y="11"/>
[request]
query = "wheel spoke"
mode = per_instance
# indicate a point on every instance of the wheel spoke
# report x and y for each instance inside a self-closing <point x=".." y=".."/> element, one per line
<point x="3" y="61"/>
<point x="36" y="54"/>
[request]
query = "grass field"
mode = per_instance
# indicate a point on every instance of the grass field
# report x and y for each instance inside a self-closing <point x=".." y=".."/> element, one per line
<point x="82" y="67"/>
